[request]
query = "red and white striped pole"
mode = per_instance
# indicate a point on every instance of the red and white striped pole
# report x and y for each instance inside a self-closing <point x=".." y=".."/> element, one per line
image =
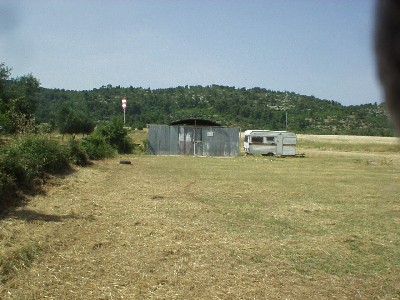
<point x="124" y="107"/>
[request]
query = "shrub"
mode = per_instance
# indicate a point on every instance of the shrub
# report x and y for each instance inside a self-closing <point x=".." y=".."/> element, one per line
<point x="76" y="154"/>
<point x="116" y="135"/>
<point x="144" y="147"/>
<point x="97" y="147"/>
<point x="7" y="185"/>
<point x="126" y="146"/>
<point x="27" y="159"/>
<point x="74" y="121"/>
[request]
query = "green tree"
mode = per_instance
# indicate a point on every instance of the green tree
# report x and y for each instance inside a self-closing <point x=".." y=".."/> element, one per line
<point x="73" y="122"/>
<point x="116" y="135"/>
<point x="17" y="99"/>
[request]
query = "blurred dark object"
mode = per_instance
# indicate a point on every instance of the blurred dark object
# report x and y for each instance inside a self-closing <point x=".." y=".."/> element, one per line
<point x="387" y="47"/>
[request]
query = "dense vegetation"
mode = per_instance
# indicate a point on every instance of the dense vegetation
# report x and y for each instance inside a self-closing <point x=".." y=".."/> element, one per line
<point x="254" y="108"/>
<point x="26" y="152"/>
<point x="27" y="158"/>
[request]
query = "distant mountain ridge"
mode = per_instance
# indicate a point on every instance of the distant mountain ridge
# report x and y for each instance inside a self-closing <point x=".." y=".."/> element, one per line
<point x="254" y="108"/>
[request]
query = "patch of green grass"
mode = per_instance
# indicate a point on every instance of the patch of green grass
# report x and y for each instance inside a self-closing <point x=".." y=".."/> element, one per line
<point x="18" y="259"/>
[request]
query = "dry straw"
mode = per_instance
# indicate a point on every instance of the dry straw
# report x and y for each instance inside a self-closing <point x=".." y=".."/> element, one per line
<point x="321" y="227"/>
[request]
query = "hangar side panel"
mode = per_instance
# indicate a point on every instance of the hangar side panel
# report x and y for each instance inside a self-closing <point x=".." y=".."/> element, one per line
<point x="174" y="140"/>
<point x="218" y="141"/>
<point x="158" y="140"/>
<point x="152" y="137"/>
<point x="179" y="140"/>
<point x="234" y="139"/>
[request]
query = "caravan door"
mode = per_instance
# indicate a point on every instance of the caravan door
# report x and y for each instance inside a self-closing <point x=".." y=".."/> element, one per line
<point x="279" y="144"/>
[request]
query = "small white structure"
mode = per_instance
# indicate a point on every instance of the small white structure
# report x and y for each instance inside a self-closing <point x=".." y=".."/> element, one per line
<point x="267" y="142"/>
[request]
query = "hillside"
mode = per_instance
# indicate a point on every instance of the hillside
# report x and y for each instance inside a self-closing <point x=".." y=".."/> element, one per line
<point x="247" y="108"/>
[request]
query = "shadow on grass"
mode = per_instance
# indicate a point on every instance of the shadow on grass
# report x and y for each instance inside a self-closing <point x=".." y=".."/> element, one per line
<point x="10" y="202"/>
<point x="31" y="216"/>
<point x="20" y="197"/>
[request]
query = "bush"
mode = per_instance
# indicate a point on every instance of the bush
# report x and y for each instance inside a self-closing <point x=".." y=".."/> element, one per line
<point x="116" y="135"/>
<point x="7" y="184"/>
<point x="76" y="154"/>
<point x="97" y="147"/>
<point x="27" y="159"/>
<point x="144" y="147"/>
<point x="107" y="138"/>
<point x="126" y="146"/>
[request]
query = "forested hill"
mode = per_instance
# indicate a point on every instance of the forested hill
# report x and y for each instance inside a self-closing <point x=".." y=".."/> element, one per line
<point x="254" y="108"/>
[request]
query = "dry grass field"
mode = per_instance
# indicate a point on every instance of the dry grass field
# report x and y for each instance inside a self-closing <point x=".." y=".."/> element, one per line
<point x="326" y="226"/>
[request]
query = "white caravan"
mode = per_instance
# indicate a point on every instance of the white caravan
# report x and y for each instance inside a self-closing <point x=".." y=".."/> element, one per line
<point x="267" y="142"/>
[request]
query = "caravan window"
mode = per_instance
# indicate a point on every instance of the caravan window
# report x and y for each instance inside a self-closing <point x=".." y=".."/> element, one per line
<point x="246" y="138"/>
<point x="270" y="139"/>
<point x="257" y="139"/>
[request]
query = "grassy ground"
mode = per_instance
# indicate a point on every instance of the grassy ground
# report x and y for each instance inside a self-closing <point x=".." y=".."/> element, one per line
<point x="320" y="227"/>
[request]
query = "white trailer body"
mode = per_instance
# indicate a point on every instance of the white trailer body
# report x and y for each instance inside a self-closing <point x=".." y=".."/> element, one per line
<point x="267" y="142"/>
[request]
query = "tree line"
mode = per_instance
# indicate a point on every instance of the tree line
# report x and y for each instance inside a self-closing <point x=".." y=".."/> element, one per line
<point x="72" y="111"/>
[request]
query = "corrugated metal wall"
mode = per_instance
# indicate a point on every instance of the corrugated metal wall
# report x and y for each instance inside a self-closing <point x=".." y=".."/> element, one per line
<point x="190" y="140"/>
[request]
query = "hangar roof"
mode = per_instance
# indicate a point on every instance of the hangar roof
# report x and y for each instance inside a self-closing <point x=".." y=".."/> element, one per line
<point x="195" y="122"/>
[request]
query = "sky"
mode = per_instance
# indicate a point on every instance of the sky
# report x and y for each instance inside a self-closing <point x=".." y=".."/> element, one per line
<point x="322" y="48"/>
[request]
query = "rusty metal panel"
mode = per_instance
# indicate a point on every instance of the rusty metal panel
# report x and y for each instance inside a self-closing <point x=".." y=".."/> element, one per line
<point x="158" y="140"/>
<point x="234" y="139"/>
<point x="220" y="141"/>
<point x="185" y="136"/>
<point x="198" y="141"/>
<point x="190" y="140"/>
<point x="174" y="140"/>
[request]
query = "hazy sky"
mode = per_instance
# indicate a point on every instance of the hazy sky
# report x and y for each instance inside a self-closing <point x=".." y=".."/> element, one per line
<point x="311" y="47"/>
